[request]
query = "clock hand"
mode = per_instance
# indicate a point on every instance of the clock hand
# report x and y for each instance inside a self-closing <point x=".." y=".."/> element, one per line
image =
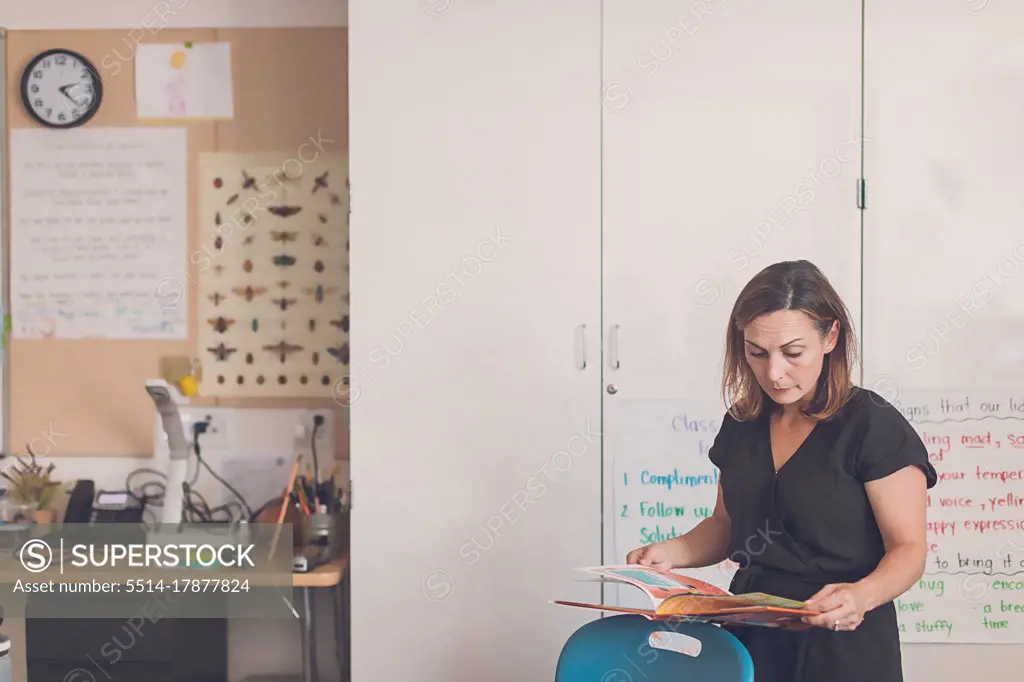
<point x="64" y="91"/>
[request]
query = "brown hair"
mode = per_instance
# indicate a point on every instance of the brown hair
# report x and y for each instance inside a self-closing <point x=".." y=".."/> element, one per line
<point x="789" y="285"/>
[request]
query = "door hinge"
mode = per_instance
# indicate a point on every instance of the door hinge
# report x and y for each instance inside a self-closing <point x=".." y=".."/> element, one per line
<point x="862" y="193"/>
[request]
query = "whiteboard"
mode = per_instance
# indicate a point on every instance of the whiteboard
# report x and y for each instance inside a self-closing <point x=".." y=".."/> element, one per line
<point x="664" y="482"/>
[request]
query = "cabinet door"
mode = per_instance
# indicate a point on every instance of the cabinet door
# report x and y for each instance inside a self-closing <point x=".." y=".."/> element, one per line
<point x="731" y="141"/>
<point x="475" y="143"/>
<point x="942" y="228"/>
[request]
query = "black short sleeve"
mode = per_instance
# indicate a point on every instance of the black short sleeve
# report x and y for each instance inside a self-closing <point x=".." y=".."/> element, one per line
<point x="722" y="447"/>
<point x="890" y="444"/>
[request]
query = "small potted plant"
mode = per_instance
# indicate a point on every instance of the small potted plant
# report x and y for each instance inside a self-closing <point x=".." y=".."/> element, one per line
<point x="32" y="487"/>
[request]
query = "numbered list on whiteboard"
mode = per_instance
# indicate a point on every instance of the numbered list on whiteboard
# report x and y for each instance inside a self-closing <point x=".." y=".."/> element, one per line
<point x="664" y="484"/>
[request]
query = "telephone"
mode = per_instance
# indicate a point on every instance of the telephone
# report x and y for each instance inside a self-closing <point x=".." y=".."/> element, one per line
<point x="107" y="506"/>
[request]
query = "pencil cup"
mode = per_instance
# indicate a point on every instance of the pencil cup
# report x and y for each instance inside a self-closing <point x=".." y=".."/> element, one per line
<point x="329" y="531"/>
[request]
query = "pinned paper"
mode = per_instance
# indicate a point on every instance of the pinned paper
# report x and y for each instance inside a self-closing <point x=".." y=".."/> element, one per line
<point x="99" y="233"/>
<point x="184" y="81"/>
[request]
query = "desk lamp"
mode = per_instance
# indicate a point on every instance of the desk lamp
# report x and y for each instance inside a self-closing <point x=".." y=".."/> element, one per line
<point x="167" y="399"/>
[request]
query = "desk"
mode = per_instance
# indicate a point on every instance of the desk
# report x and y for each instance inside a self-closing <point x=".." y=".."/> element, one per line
<point x="331" y="575"/>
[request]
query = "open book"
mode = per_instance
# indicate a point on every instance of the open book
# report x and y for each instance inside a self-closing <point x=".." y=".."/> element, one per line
<point x="678" y="597"/>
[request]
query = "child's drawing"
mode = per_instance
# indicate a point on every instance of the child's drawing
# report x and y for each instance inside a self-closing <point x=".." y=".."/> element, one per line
<point x="190" y="80"/>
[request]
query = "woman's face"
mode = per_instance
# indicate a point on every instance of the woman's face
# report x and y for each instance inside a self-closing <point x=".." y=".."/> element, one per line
<point x="786" y="352"/>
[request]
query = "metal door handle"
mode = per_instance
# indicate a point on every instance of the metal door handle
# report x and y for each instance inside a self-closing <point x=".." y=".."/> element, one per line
<point x="613" y="346"/>
<point x="581" y="343"/>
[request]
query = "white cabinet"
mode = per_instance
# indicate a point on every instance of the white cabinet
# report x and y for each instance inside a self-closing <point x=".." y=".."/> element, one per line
<point x="475" y="162"/>
<point x="511" y="164"/>
<point x="555" y="205"/>
<point x="732" y="140"/>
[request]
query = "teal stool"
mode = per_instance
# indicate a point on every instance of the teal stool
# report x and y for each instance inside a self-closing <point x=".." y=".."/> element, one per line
<point x="631" y="648"/>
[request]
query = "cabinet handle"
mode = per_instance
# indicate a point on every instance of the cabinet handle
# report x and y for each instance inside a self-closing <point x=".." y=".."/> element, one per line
<point x="581" y="342"/>
<point x="613" y="346"/>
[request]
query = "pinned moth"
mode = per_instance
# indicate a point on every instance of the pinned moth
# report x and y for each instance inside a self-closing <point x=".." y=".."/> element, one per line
<point x="221" y="352"/>
<point x="220" y="324"/>
<point x="283" y="349"/>
<point x="250" y="292"/>
<point x="320" y="182"/>
<point x="319" y="292"/>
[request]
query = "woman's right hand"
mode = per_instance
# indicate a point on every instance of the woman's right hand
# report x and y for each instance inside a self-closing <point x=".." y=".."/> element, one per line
<point x="659" y="556"/>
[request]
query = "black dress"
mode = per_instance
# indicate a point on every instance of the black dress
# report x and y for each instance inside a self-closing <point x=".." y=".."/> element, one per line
<point x="811" y="524"/>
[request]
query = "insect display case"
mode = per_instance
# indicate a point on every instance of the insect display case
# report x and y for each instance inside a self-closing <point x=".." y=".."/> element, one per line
<point x="272" y="263"/>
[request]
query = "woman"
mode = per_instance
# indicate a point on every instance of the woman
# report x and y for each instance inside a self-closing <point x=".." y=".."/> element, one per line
<point x="822" y="487"/>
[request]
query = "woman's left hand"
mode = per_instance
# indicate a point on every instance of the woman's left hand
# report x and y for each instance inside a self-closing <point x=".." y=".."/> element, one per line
<point x="841" y="607"/>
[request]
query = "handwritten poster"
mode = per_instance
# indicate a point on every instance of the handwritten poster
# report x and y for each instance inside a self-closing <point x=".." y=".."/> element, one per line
<point x="973" y="587"/>
<point x="183" y="81"/>
<point x="99" y="233"/>
<point x="663" y="483"/>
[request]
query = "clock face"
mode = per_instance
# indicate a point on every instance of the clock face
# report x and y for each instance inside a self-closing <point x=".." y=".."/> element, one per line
<point x="61" y="89"/>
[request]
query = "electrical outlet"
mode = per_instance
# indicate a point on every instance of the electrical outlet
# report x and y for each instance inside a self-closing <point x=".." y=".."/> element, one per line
<point x="216" y="436"/>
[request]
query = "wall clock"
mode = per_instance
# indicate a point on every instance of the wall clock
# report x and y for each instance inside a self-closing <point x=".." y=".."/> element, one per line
<point x="61" y="88"/>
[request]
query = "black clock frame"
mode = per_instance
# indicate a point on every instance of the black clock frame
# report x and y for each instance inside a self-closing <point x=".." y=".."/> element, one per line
<point x="97" y="88"/>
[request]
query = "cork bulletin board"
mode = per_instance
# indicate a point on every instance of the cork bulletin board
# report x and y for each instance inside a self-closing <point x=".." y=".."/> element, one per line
<point x="290" y="98"/>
